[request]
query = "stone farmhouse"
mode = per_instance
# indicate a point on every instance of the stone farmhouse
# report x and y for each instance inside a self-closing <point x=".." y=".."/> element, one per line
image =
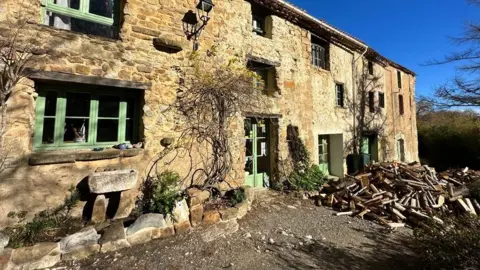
<point x="103" y="75"/>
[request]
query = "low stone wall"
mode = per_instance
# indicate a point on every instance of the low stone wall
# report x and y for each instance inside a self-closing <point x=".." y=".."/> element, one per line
<point x="107" y="237"/>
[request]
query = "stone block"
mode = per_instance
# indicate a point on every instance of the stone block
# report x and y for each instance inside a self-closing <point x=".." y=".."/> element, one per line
<point x="197" y="196"/>
<point x="3" y="240"/>
<point x="113" y="181"/>
<point x="41" y="255"/>
<point x="81" y="253"/>
<point x="181" y="213"/>
<point x="211" y="217"/>
<point x="114" y="245"/>
<point x="163" y="232"/>
<point x="196" y="215"/>
<point x="126" y="204"/>
<point x="97" y="155"/>
<point x="5" y="256"/>
<point x="84" y="238"/>
<point x="141" y="237"/>
<point x="147" y="221"/>
<point x="99" y="209"/>
<point x="44" y="158"/>
<point x="228" y="213"/>
<point x="242" y="209"/>
<point x="114" y="238"/>
<point x="182" y="227"/>
<point x="249" y="194"/>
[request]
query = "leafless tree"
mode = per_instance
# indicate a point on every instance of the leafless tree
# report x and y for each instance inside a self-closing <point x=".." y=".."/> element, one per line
<point x="464" y="89"/>
<point x="368" y="116"/>
<point x="15" y="55"/>
<point x="212" y="94"/>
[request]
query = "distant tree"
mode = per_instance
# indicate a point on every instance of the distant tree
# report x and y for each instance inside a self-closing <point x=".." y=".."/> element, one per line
<point x="464" y="89"/>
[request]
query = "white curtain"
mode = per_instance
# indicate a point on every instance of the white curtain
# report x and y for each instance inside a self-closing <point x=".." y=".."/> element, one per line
<point x="60" y="21"/>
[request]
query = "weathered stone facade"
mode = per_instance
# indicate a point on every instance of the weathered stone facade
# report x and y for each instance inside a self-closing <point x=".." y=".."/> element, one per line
<point x="305" y="95"/>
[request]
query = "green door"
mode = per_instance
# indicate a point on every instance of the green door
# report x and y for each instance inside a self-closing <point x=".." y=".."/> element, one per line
<point x="257" y="158"/>
<point x="323" y="154"/>
<point x="366" y="149"/>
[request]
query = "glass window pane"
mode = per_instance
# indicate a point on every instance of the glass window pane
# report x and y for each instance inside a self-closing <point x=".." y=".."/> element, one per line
<point x="78" y="25"/>
<point x="130" y="108"/>
<point x="75" y="131"/>
<point x="50" y="103"/>
<point x="48" y="130"/>
<point x="78" y="105"/>
<point x="107" y="130"/>
<point x="108" y="106"/>
<point x="75" y="4"/>
<point x="102" y="7"/>
<point x="129" y="131"/>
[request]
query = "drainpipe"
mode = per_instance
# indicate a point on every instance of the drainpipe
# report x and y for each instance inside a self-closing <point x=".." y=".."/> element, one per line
<point x="354" y="80"/>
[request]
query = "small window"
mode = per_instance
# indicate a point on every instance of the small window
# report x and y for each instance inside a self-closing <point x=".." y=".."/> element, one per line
<point x="381" y="100"/>
<point x="339" y="93"/>
<point x="265" y="78"/>
<point x="320" y="53"/>
<point x="75" y="117"/>
<point x="400" y="104"/>
<point x="96" y="17"/>
<point x="370" y="67"/>
<point x="399" y="78"/>
<point x="261" y="21"/>
<point x="371" y="101"/>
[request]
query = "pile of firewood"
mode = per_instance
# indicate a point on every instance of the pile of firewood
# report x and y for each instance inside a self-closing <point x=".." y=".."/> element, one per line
<point x="396" y="194"/>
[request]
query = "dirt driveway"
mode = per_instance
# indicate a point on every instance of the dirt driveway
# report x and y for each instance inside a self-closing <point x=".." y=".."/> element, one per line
<point x="280" y="233"/>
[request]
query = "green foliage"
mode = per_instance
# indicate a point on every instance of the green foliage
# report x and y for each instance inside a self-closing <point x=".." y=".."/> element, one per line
<point x="449" y="139"/>
<point x="34" y="231"/>
<point x="238" y="196"/>
<point x="454" y="245"/>
<point x="309" y="180"/>
<point x="160" y="193"/>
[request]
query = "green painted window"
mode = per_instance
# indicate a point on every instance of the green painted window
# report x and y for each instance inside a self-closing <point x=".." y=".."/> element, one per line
<point x="96" y="17"/>
<point x="77" y="116"/>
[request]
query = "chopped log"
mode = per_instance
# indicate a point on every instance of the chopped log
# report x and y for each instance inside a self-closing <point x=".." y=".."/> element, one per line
<point x="476" y="205"/>
<point x="344" y="213"/>
<point x="361" y="214"/>
<point x="374" y="189"/>
<point x="396" y="212"/>
<point x="470" y="205"/>
<point x="399" y="207"/>
<point x="464" y="205"/>
<point x="396" y="225"/>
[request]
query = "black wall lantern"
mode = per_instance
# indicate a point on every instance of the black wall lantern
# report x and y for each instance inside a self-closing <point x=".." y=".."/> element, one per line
<point x="191" y="21"/>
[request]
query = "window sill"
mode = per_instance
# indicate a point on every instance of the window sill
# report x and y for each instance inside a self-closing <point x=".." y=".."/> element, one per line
<point x="320" y="69"/>
<point x="69" y="34"/>
<point x="69" y="156"/>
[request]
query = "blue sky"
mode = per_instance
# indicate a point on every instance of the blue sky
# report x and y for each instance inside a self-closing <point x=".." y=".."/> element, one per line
<point x="409" y="32"/>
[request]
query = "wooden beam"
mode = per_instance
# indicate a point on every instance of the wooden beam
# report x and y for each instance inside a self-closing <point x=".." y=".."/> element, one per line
<point x="52" y="76"/>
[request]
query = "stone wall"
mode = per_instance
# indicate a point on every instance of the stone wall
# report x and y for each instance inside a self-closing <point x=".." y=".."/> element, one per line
<point x="305" y="96"/>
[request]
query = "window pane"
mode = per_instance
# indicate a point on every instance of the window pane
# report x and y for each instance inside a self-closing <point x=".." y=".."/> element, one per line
<point x="102" y="7"/>
<point x="107" y="130"/>
<point x="75" y="4"/>
<point x="78" y="105"/>
<point x="129" y="131"/>
<point x="108" y="106"/>
<point x="50" y="103"/>
<point x="48" y="130"/>
<point x="76" y="131"/>
<point x="130" y="108"/>
<point x="79" y="25"/>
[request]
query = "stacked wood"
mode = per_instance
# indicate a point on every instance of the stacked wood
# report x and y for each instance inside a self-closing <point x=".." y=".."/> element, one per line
<point x="396" y="194"/>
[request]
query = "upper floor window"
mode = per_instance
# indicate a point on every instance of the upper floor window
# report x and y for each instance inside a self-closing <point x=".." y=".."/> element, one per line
<point x="399" y="79"/>
<point x="370" y="67"/>
<point x="340" y="95"/>
<point x="381" y="99"/>
<point x="400" y="104"/>
<point x="320" y="53"/>
<point x="371" y="101"/>
<point x="79" y="117"/>
<point x="266" y="77"/>
<point x="96" y="17"/>
<point x="262" y="23"/>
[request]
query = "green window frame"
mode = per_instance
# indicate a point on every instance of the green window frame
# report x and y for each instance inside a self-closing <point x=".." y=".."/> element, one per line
<point x="124" y="98"/>
<point x="82" y="13"/>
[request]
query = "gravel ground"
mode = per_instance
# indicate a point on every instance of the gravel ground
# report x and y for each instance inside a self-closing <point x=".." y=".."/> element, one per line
<point x="280" y="233"/>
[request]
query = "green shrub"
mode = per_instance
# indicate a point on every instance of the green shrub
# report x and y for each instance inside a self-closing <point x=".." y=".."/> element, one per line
<point x="310" y="180"/>
<point x="455" y="245"/>
<point x="160" y="193"/>
<point x="238" y="196"/>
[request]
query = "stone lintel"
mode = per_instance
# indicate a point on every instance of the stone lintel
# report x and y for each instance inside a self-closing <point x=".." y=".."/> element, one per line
<point x="262" y="61"/>
<point x="93" y="80"/>
<point x="262" y="115"/>
<point x="66" y="156"/>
